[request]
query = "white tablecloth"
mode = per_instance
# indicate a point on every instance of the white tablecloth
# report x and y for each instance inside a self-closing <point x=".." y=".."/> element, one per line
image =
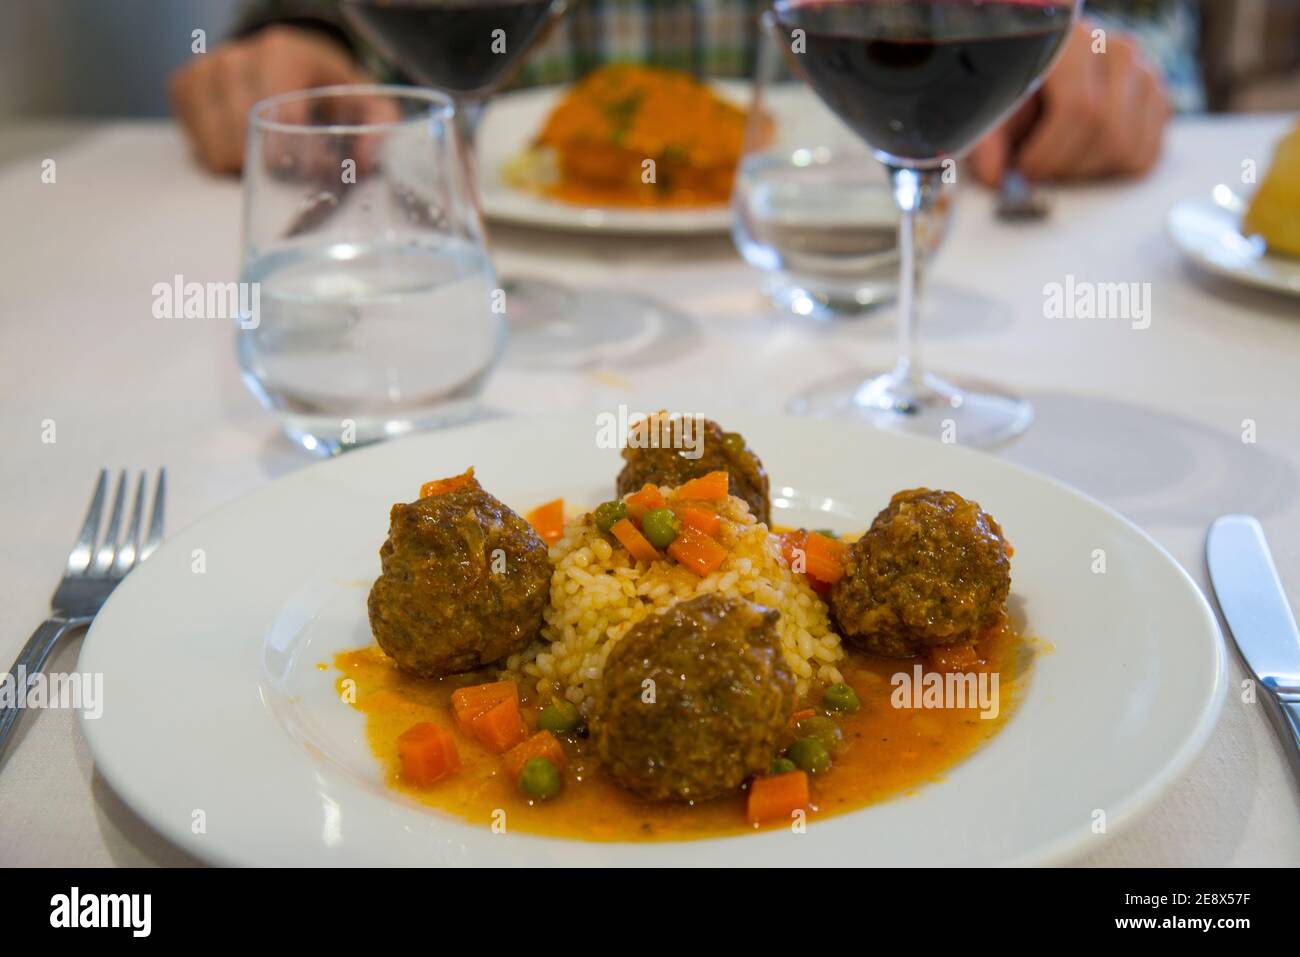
<point x="1149" y="421"/>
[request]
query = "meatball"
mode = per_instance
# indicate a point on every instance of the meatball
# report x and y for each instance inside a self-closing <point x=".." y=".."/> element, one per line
<point x="464" y="583"/>
<point x="715" y="450"/>
<point x="722" y="695"/>
<point x="932" y="570"/>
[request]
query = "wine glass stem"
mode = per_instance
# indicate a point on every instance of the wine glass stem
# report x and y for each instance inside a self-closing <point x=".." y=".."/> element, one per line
<point x="469" y="110"/>
<point x="914" y="193"/>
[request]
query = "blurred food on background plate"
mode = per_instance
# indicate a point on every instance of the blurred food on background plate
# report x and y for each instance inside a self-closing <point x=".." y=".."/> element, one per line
<point x="1274" y="211"/>
<point x="597" y="143"/>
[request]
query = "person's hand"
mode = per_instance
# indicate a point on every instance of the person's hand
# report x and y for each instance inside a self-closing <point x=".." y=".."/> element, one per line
<point x="1096" y="114"/>
<point x="211" y="96"/>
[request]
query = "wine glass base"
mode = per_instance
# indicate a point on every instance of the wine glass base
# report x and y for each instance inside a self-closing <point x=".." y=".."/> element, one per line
<point x="557" y="327"/>
<point x="330" y="435"/>
<point x="961" y="412"/>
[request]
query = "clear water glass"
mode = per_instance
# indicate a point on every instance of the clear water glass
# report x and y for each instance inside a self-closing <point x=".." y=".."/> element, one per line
<point x="469" y="49"/>
<point x="812" y="211"/>
<point x="376" y="309"/>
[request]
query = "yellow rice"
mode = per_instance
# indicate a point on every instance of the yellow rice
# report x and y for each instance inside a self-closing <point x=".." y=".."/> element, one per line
<point x="598" y="593"/>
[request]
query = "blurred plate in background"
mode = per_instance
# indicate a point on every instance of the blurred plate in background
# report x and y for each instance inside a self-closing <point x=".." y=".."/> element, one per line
<point x="1208" y="231"/>
<point x="510" y="122"/>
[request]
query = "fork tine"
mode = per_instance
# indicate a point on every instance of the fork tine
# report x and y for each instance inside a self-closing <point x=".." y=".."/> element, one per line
<point x="154" y="537"/>
<point x="108" y="546"/>
<point x="130" y="547"/>
<point x="79" y="557"/>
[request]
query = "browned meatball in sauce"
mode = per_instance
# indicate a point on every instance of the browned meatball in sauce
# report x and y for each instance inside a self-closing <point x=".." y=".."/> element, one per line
<point x="719" y="451"/>
<point x="932" y="570"/>
<point x="722" y="695"/>
<point x="464" y="583"/>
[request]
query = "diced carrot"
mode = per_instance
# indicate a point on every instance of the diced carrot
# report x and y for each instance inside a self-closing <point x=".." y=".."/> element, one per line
<point x="540" y="745"/>
<point x="500" y="727"/>
<point x="792" y="549"/>
<point x="696" y="551"/>
<point x="800" y="715"/>
<point x="469" y="703"/>
<point x="821" y="589"/>
<point x="776" y="797"/>
<point x="818" y="556"/>
<point x="428" y="753"/>
<point x="700" y="519"/>
<point x="444" y="485"/>
<point x="825" y="557"/>
<point x="707" y="488"/>
<point x="638" y="503"/>
<point x="548" y="521"/>
<point x="637" y="545"/>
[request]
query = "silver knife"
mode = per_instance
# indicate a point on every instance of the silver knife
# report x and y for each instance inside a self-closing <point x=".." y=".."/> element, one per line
<point x="1254" y="604"/>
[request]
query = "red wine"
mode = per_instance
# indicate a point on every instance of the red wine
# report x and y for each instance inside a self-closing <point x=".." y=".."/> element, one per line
<point x="452" y="45"/>
<point x="920" y="81"/>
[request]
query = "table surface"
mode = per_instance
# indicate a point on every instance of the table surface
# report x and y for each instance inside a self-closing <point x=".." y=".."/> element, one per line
<point x="1149" y="421"/>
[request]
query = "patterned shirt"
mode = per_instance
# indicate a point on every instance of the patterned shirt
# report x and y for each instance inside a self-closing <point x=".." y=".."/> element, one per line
<point x="718" y="38"/>
<point x="706" y="38"/>
<point x="1167" y="31"/>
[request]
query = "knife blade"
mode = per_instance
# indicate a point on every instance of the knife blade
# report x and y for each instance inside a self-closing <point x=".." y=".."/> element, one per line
<point x="1254" y="604"/>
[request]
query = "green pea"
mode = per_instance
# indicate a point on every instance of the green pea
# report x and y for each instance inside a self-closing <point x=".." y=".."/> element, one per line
<point x="559" y="718"/>
<point x="840" y="697"/>
<point x="807" y="754"/>
<point x="539" y="779"/>
<point x="609" y="514"/>
<point x="823" y="730"/>
<point x="660" y="526"/>
<point x="733" y="442"/>
<point x="782" y="765"/>
<point x="828" y="532"/>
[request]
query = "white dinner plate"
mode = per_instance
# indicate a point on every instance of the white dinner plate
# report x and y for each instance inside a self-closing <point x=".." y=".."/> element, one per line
<point x="509" y="124"/>
<point x="1208" y="231"/>
<point x="220" y="729"/>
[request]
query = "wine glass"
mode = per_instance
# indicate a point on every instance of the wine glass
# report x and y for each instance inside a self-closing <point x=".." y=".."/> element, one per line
<point x="810" y="209"/>
<point x="369" y="307"/>
<point x="920" y="81"/>
<point x="469" y="49"/>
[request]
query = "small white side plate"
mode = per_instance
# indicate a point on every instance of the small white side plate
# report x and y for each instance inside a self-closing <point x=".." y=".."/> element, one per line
<point x="1208" y="231"/>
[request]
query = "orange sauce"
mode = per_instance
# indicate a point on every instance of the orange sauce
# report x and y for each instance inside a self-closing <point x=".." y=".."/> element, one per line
<point x="889" y="751"/>
<point x="714" y="192"/>
<point x="638" y="136"/>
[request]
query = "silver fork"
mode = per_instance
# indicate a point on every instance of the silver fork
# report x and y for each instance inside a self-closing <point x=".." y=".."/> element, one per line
<point x="92" y="572"/>
<point x="1020" y="200"/>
